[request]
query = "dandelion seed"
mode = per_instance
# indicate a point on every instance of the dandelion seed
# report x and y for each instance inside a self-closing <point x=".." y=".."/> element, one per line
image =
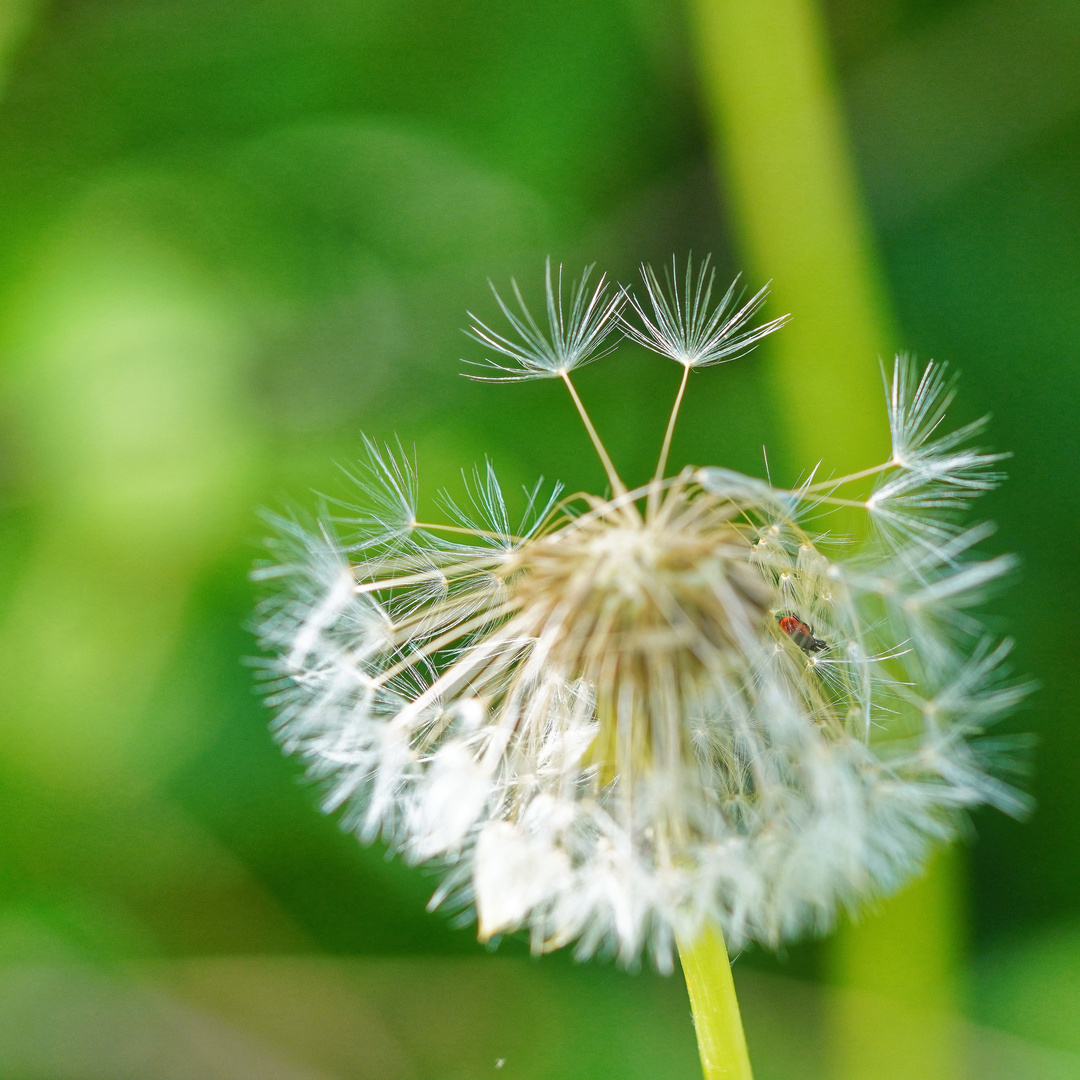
<point x="683" y="325"/>
<point x="637" y="714"/>
<point x="571" y="340"/>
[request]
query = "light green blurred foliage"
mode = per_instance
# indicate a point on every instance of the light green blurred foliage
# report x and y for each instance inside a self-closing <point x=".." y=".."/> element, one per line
<point x="1029" y="986"/>
<point x="309" y="1017"/>
<point x="125" y="374"/>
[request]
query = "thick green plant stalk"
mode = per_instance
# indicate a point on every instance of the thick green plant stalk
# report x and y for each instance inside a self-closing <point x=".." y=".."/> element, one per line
<point x="898" y="982"/>
<point x="716" y="1009"/>
<point x="791" y="189"/>
<point x="790" y="186"/>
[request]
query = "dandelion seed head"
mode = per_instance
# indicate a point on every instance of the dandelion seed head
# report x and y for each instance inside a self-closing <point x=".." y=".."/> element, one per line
<point x="631" y="714"/>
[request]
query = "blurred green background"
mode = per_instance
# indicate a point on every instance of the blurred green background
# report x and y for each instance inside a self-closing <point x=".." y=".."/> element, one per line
<point x="234" y="237"/>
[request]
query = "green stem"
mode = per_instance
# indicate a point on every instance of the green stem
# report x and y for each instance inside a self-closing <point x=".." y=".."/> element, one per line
<point x="778" y="128"/>
<point x="720" y="1037"/>
<point x="897" y="974"/>
<point x="779" y="133"/>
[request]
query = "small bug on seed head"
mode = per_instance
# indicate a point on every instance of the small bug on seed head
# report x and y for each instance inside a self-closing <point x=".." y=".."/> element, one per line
<point x="801" y="634"/>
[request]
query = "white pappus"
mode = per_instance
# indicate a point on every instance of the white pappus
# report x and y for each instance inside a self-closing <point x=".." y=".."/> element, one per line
<point x="643" y="710"/>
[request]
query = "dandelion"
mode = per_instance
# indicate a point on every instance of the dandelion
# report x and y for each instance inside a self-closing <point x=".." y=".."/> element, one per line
<point x="660" y="717"/>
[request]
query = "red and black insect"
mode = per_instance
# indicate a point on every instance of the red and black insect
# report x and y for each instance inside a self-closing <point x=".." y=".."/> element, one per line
<point x="801" y="634"/>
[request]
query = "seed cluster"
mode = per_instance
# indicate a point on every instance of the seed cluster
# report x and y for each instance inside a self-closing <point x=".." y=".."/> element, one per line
<point x="642" y="711"/>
